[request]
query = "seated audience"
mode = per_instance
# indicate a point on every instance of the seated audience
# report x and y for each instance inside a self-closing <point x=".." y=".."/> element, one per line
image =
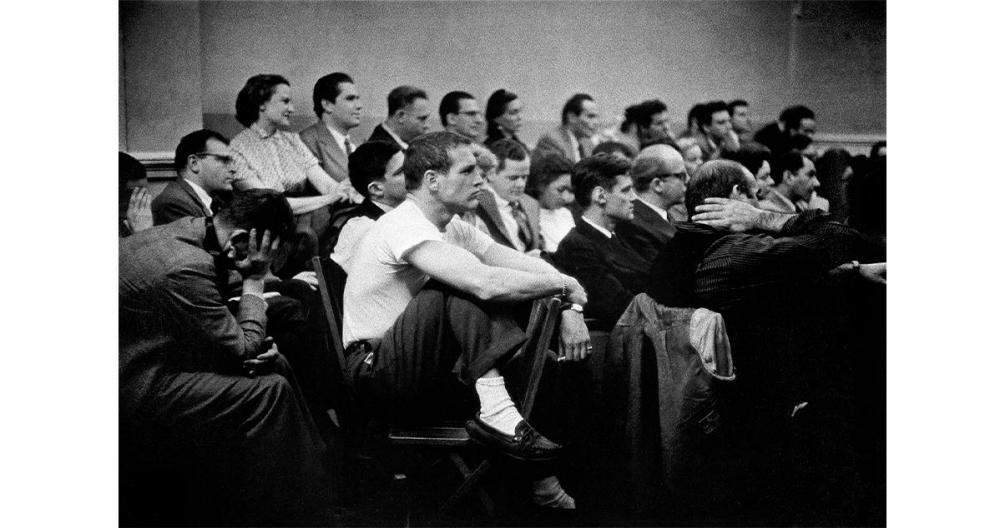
<point x="376" y="171"/>
<point x="505" y="213"/>
<point x="549" y="182"/>
<point x="645" y="123"/>
<point x="573" y="138"/>
<point x="754" y="157"/>
<point x="692" y="122"/>
<point x="503" y="117"/>
<point x="202" y="392"/>
<point x="794" y="186"/>
<point x="622" y="150"/>
<point x="338" y="106"/>
<point x="659" y="183"/>
<point x="408" y="117"/>
<point x="739" y="111"/>
<point x="833" y="171"/>
<point x="204" y="165"/>
<point x="783" y="135"/>
<point x="676" y="212"/>
<point x="460" y="114"/>
<point x="268" y="157"/>
<point x="134" y="213"/>
<point x="611" y="272"/>
<point x="436" y="304"/>
<point x="715" y="130"/>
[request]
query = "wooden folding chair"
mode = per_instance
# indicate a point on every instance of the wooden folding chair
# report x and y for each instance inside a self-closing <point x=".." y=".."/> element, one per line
<point x="452" y="438"/>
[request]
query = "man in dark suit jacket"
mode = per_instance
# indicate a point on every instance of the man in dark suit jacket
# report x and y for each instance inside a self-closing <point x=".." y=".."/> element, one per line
<point x="505" y="212"/>
<point x="611" y="272"/>
<point x="572" y="138"/>
<point x="409" y="116"/>
<point x="204" y="168"/>
<point x="206" y="387"/>
<point x="660" y="182"/>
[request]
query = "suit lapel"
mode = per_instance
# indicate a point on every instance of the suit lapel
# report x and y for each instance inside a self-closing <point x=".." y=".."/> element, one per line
<point x="647" y="218"/>
<point x="194" y="196"/>
<point x="490" y="214"/>
<point x="333" y="152"/>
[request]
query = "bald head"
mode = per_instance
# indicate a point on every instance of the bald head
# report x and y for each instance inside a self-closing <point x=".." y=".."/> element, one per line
<point x="673" y="161"/>
<point x="659" y="176"/>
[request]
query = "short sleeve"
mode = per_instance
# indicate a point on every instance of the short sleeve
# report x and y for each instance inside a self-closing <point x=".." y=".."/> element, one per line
<point x="407" y="232"/>
<point x="303" y="156"/>
<point x="466" y="236"/>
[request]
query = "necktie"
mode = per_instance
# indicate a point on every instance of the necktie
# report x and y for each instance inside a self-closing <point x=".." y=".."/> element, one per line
<point x="347" y="146"/>
<point x="523" y="233"/>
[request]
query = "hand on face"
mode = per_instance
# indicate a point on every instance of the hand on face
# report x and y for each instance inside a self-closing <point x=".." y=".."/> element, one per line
<point x="255" y="263"/>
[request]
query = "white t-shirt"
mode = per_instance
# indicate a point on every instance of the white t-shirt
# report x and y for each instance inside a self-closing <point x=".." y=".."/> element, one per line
<point x="554" y="225"/>
<point x="381" y="281"/>
<point x="350" y="237"/>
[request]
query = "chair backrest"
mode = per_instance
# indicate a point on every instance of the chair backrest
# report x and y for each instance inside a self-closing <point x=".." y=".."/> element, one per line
<point x="331" y="291"/>
<point x="541" y="326"/>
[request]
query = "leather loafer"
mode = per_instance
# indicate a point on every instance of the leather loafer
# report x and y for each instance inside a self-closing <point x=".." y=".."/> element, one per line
<point x="526" y="444"/>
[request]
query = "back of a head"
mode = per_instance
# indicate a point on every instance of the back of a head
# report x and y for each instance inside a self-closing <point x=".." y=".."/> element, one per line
<point x="596" y="171"/>
<point x="430" y="151"/>
<point x="260" y="209"/>
<point x="450" y="104"/>
<point x="792" y="161"/>
<point x="661" y="151"/>
<point x="615" y="148"/>
<point x="545" y="169"/>
<point x="507" y="149"/>
<point x="257" y="91"/>
<point x="574" y="106"/>
<point x="715" y="179"/>
<point x="328" y="88"/>
<point x="793" y="115"/>
<point x="751" y="155"/>
<point x="402" y="96"/>
<point x="704" y="115"/>
<point x="647" y="169"/>
<point x="194" y="143"/>
<point x="367" y="163"/>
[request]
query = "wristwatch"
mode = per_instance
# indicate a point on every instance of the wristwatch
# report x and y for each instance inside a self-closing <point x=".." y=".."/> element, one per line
<point x="571" y="306"/>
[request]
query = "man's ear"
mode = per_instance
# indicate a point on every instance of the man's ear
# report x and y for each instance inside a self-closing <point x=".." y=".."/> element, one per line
<point x="375" y="189"/>
<point x="449" y="119"/>
<point x="431" y="180"/>
<point x="736" y="193"/>
<point x="656" y="185"/>
<point x="598" y="196"/>
<point x="327" y="105"/>
<point x="237" y="237"/>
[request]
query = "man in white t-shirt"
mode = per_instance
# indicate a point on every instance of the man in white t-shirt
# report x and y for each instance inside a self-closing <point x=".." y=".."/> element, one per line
<point x="438" y="301"/>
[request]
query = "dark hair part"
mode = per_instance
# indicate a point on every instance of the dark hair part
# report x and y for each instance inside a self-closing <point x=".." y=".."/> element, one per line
<point x="793" y="160"/>
<point x="574" y="106"/>
<point x="545" y="169"/>
<point x="751" y="155"/>
<point x="367" y="163"/>
<point x="260" y="209"/>
<point x="402" y="96"/>
<point x="451" y="103"/>
<point x="430" y="151"/>
<point x="715" y="179"/>
<point x="612" y="147"/>
<point x="704" y="116"/>
<point x="645" y="170"/>
<point x="642" y="114"/>
<point x="328" y="88"/>
<point x="194" y="143"/>
<point x="257" y="91"/>
<point x="507" y="149"/>
<point x="793" y="115"/>
<point x="734" y="103"/>
<point x="496" y="105"/>
<point x="596" y="171"/>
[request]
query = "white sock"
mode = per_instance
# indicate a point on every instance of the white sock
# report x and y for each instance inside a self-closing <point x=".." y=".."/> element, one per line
<point x="495" y="406"/>
<point x="549" y="493"/>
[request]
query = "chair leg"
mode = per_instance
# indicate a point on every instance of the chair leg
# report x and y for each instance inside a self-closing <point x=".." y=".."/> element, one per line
<point x="472" y="479"/>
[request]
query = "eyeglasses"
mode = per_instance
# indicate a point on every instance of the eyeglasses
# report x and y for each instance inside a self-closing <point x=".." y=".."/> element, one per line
<point x="471" y="113"/>
<point x="226" y="160"/>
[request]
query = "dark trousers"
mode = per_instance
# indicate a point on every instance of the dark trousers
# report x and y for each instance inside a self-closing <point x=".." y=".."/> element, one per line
<point x="215" y="449"/>
<point x="444" y="339"/>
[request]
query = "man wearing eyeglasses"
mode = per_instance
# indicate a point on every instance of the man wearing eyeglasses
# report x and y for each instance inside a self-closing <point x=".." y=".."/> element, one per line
<point x="660" y="182"/>
<point x="460" y="114"/>
<point x="204" y="167"/>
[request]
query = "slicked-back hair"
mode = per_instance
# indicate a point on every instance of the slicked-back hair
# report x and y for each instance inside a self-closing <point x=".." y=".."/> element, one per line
<point x="715" y="179"/>
<point x="401" y="96"/>
<point x="596" y="171"/>
<point x="431" y="151"/>
<point x="574" y="106"/>
<point x="367" y="163"/>
<point x="612" y="147"/>
<point x="642" y="113"/>
<point x="704" y="116"/>
<point x="645" y="170"/>
<point x="450" y="104"/>
<point x="793" y="115"/>
<point x="507" y="149"/>
<point x="793" y="160"/>
<point x="751" y="155"/>
<point x="496" y="105"/>
<point x="328" y="88"/>
<point x="194" y="143"/>
<point x="257" y="91"/>
<point x="546" y="169"/>
<point x="260" y="209"/>
<point x="734" y="103"/>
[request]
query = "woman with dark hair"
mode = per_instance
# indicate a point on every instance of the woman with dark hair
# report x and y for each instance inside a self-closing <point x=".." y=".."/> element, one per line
<point x="268" y="157"/>
<point x="503" y="117"/>
<point x="833" y="170"/>
<point x="549" y="183"/>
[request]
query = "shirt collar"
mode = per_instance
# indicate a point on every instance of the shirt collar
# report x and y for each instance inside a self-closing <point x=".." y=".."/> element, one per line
<point x="501" y="203"/>
<point x="261" y="133"/>
<point x="337" y="136"/>
<point x="659" y="211"/>
<point x="206" y="200"/>
<point x="603" y="231"/>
